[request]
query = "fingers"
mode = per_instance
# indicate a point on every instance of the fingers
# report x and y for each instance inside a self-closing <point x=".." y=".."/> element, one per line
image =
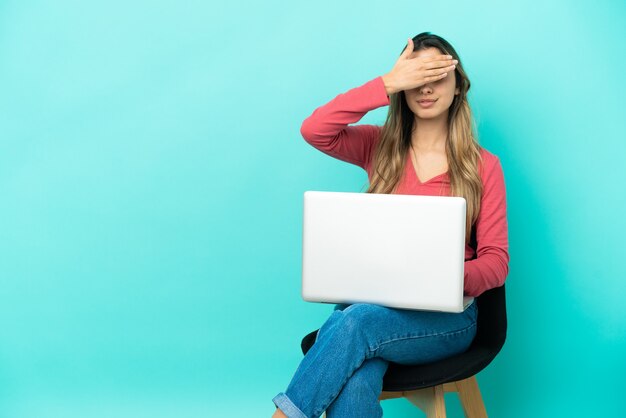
<point x="442" y="57"/>
<point x="445" y="64"/>
<point x="441" y="60"/>
<point x="435" y="61"/>
<point x="408" y="50"/>
<point x="434" y="77"/>
<point x="439" y="70"/>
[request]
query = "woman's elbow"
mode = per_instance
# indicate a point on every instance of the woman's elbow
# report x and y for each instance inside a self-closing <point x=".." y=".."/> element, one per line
<point x="504" y="272"/>
<point x="306" y="130"/>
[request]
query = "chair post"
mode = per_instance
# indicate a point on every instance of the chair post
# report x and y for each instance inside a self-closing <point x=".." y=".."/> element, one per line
<point x="430" y="400"/>
<point x="471" y="399"/>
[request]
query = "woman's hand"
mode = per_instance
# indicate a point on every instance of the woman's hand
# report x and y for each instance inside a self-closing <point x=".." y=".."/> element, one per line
<point x="409" y="73"/>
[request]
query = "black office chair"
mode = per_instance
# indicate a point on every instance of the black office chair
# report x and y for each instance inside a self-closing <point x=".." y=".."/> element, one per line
<point x="424" y="385"/>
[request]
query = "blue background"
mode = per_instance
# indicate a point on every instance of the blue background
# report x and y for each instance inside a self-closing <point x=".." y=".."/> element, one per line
<point x="151" y="181"/>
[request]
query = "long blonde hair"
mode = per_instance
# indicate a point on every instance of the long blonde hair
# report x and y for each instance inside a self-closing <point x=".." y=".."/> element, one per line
<point x="462" y="148"/>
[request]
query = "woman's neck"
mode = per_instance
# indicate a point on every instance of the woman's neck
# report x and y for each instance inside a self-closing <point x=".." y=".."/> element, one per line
<point x="429" y="135"/>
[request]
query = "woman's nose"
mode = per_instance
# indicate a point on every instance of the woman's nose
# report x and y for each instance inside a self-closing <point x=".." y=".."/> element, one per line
<point x="426" y="88"/>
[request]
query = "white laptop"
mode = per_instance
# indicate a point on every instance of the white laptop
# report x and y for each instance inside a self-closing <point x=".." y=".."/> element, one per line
<point x="402" y="251"/>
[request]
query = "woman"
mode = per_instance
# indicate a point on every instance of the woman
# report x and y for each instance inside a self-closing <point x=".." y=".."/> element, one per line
<point x="427" y="146"/>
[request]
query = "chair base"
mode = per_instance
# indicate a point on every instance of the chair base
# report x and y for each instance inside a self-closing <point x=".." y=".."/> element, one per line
<point x="431" y="400"/>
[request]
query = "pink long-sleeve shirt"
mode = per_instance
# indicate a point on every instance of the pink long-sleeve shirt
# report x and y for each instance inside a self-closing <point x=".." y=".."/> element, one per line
<point x="327" y="130"/>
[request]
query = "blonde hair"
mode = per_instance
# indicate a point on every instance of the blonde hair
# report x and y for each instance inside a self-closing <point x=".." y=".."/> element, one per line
<point x="462" y="147"/>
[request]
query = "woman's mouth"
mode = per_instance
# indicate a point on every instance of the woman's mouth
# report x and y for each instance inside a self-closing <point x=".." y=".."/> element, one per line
<point x="426" y="103"/>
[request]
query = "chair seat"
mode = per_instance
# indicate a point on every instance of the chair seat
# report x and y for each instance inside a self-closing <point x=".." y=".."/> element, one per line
<point x="490" y="337"/>
<point x="401" y="377"/>
<point x="409" y="377"/>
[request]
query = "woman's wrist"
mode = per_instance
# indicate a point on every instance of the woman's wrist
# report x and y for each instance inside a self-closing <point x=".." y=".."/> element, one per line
<point x="389" y="85"/>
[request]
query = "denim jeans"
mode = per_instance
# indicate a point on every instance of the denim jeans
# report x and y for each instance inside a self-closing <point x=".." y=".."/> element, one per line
<point x="342" y="373"/>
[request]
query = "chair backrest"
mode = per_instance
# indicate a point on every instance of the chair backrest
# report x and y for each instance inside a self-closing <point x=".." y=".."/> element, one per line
<point x="492" y="321"/>
<point x="492" y="324"/>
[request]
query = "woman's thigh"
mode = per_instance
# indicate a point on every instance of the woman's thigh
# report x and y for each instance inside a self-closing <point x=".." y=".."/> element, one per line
<point x="412" y="337"/>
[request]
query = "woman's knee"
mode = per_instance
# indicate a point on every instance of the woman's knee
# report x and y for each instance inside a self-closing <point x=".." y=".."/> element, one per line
<point x="354" y="322"/>
<point x="363" y="314"/>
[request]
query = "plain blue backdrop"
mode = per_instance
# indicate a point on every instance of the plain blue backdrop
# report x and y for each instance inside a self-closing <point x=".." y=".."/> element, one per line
<point x="151" y="182"/>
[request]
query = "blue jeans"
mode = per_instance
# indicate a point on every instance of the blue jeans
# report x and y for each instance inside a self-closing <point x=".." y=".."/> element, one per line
<point x="342" y="373"/>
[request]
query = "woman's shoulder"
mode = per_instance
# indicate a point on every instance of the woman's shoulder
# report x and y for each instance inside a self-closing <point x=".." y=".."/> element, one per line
<point x="489" y="159"/>
<point x="487" y="155"/>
